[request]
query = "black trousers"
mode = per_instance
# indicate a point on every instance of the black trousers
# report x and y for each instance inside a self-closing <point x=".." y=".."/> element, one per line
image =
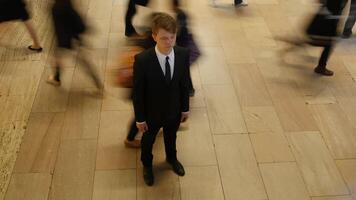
<point x="325" y="55"/>
<point x="170" y="128"/>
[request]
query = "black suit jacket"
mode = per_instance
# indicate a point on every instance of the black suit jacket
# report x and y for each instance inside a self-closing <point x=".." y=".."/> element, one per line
<point x="154" y="99"/>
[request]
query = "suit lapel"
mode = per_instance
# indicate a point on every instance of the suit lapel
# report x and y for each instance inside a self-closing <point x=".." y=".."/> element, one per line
<point x="176" y="64"/>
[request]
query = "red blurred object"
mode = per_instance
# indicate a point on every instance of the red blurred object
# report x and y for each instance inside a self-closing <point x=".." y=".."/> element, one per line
<point x="125" y="72"/>
<point x="125" y="77"/>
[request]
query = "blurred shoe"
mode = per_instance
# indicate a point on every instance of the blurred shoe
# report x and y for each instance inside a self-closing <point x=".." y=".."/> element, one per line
<point x="132" y="34"/>
<point x="323" y="71"/>
<point x="97" y="93"/>
<point x="51" y="80"/>
<point x="346" y="35"/>
<point x="191" y="92"/>
<point x="133" y="143"/>
<point x="177" y="167"/>
<point x="148" y="176"/>
<point x="38" y="49"/>
<point x="241" y="4"/>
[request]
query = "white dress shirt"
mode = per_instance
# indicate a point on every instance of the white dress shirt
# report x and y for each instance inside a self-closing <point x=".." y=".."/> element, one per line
<point x="162" y="60"/>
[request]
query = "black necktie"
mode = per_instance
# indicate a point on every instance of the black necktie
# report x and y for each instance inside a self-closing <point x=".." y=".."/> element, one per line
<point x="168" y="71"/>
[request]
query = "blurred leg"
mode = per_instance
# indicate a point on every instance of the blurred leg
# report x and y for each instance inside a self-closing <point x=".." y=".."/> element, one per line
<point x="321" y="68"/>
<point x="55" y="78"/>
<point x="350" y="20"/>
<point x="88" y="68"/>
<point x="32" y="32"/>
<point x="131" y="11"/>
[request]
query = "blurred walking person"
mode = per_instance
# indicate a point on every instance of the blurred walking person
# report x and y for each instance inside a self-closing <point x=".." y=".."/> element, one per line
<point x="11" y="10"/>
<point x="322" y="32"/>
<point x="130" y="13"/>
<point x="69" y="27"/>
<point x="186" y="39"/>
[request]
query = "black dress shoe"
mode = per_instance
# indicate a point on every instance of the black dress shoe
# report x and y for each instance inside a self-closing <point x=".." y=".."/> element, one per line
<point x="191" y="92"/>
<point x="148" y="176"/>
<point x="346" y="34"/>
<point x="323" y="71"/>
<point x="177" y="167"/>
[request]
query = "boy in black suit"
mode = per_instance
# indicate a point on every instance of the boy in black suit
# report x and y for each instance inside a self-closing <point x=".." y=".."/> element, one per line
<point x="161" y="93"/>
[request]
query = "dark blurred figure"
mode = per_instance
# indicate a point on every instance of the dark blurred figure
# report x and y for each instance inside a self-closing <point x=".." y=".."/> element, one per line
<point x="131" y="11"/>
<point x="16" y="10"/>
<point x="239" y="3"/>
<point x="322" y="32"/>
<point x="69" y="26"/>
<point x="185" y="39"/>
<point x="145" y="42"/>
<point x="350" y="22"/>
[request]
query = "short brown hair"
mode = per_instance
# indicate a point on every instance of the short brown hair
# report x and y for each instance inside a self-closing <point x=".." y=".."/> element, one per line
<point x="164" y="21"/>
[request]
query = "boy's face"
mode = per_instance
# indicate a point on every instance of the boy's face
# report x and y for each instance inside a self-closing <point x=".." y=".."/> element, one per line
<point x="165" y="40"/>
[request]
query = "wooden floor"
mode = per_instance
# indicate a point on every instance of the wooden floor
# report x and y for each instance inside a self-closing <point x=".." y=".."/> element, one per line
<point x="262" y="126"/>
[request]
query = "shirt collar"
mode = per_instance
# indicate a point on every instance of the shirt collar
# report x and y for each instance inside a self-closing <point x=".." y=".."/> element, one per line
<point x="162" y="56"/>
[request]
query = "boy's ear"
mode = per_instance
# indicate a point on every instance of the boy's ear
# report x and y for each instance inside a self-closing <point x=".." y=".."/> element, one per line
<point x="154" y="36"/>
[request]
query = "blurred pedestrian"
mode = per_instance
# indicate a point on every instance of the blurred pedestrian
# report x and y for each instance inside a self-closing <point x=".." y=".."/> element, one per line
<point x="322" y="31"/>
<point x="69" y="27"/>
<point x="186" y="39"/>
<point x="11" y="10"/>
<point x="130" y="13"/>
<point x="133" y="139"/>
